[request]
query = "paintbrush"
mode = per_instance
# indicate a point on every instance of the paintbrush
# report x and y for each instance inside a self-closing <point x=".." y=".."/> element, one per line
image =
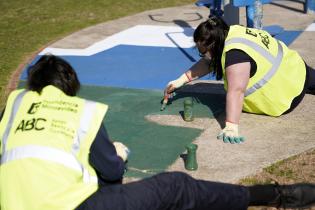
<point x="165" y="100"/>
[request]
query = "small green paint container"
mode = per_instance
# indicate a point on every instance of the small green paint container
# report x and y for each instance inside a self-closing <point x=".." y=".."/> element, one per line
<point x="188" y="109"/>
<point x="191" y="159"/>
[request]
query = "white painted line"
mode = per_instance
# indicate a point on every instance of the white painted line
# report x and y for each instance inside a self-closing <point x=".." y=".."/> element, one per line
<point x="140" y="35"/>
<point x="311" y="27"/>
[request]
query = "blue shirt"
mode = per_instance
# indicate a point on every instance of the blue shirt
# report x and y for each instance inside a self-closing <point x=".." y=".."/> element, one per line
<point x="103" y="158"/>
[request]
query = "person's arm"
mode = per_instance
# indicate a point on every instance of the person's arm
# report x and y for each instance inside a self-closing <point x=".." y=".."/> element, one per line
<point x="237" y="79"/>
<point x="199" y="69"/>
<point x="104" y="159"/>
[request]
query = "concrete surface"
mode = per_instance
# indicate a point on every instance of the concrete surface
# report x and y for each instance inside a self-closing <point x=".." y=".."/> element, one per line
<point x="268" y="139"/>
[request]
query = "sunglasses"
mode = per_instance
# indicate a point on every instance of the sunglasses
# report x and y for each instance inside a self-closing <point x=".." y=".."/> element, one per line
<point x="203" y="54"/>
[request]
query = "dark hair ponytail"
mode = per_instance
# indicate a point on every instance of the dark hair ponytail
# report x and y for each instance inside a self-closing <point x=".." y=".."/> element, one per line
<point x="52" y="70"/>
<point x="211" y="35"/>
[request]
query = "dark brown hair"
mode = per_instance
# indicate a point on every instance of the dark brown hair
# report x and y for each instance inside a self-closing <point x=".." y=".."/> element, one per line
<point x="52" y="70"/>
<point x="211" y="35"/>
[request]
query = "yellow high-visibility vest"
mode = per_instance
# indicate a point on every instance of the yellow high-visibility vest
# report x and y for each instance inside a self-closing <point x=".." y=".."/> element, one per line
<point x="45" y="142"/>
<point x="280" y="74"/>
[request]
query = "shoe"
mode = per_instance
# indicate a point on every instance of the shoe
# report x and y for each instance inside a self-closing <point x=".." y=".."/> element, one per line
<point x="296" y="195"/>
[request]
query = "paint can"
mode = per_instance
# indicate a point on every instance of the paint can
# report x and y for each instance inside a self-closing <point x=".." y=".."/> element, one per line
<point x="191" y="159"/>
<point x="188" y="110"/>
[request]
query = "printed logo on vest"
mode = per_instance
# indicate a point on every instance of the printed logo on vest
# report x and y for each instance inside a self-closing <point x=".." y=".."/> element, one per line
<point x="264" y="38"/>
<point x="35" y="123"/>
<point x="34" y="108"/>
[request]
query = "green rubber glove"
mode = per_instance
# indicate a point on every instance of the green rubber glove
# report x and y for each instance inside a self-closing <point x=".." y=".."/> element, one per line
<point x="230" y="134"/>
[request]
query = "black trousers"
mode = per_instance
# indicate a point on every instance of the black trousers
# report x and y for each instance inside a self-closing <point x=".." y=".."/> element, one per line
<point x="309" y="84"/>
<point x="169" y="191"/>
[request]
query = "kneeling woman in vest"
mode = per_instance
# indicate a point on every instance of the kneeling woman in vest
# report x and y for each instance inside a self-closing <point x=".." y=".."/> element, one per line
<point x="261" y="74"/>
<point x="52" y="142"/>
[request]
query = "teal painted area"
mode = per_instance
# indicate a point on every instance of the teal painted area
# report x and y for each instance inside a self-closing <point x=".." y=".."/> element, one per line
<point x="204" y="105"/>
<point x="153" y="147"/>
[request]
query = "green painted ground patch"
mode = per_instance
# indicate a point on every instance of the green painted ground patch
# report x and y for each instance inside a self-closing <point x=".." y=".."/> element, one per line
<point x="204" y="105"/>
<point x="153" y="147"/>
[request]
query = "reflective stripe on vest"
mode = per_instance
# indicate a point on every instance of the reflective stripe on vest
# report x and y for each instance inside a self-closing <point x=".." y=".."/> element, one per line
<point x="14" y="110"/>
<point x="85" y="122"/>
<point x="275" y="61"/>
<point x="47" y="153"/>
<point x="44" y="153"/>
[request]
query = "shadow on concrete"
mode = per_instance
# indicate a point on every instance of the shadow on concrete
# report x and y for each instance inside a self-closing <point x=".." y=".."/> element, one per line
<point x="277" y="3"/>
<point x="211" y="95"/>
<point x="156" y="16"/>
<point x="183" y="156"/>
<point x="187" y="30"/>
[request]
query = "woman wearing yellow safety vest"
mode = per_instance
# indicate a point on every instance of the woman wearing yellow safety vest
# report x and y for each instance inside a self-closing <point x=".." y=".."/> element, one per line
<point x="56" y="155"/>
<point x="261" y="74"/>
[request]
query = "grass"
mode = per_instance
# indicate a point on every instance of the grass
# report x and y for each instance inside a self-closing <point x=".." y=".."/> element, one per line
<point x="299" y="168"/>
<point x="29" y="25"/>
<point x="296" y="169"/>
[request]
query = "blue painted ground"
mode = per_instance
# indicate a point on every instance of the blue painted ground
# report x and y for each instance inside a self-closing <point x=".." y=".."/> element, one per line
<point x="131" y="66"/>
<point x="288" y="36"/>
<point x="140" y="67"/>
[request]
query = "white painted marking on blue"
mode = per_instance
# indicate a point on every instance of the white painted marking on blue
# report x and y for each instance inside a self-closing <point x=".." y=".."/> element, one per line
<point x="311" y="27"/>
<point x="140" y="35"/>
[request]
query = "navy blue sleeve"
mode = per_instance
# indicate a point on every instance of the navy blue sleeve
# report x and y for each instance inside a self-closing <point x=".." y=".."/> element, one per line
<point x="103" y="158"/>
